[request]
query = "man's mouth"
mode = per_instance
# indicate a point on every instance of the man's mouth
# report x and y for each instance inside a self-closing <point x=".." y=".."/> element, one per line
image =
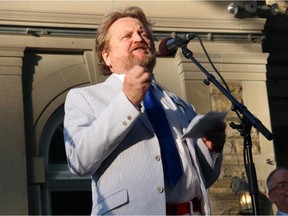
<point x="141" y="48"/>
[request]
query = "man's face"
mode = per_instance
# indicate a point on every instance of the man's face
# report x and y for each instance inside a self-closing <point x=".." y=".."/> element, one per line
<point x="279" y="192"/>
<point x="129" y="45"/>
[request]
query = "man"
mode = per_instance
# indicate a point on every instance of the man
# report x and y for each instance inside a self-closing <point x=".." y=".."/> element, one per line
<point x="110" y="135"/>
<point x="277" y="184"/>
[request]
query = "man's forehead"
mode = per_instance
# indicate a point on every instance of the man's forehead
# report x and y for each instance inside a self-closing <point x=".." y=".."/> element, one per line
<point x="280" y="175"/>
<point x="127" y="22"/>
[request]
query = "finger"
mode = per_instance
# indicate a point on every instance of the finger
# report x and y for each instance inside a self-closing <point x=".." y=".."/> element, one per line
<point x="215" y="140"/>
<point x="211" y="135"/>
<point x="215" y="146"/>
<point x="220" y="126"/>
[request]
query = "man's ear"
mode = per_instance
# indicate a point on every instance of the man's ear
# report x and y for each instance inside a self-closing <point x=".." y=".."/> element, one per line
<point x="106" y="57"/>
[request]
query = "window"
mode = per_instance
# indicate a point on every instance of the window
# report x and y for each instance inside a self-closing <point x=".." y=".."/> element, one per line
<point x="63" y="192"/>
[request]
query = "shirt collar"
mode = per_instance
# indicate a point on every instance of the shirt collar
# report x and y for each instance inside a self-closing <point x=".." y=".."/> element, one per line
<point x="122" y="76"/>
<point x="281" y="213"/>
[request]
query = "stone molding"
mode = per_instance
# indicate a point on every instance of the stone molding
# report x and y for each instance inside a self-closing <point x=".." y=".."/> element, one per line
<point x="161" y="23"/>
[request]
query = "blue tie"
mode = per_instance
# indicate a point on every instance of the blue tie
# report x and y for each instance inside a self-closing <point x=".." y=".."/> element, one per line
<point x="170" y="156"/>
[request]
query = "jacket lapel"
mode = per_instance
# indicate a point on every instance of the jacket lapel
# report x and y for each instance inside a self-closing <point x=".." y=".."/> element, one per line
<point x="179" y="108"/>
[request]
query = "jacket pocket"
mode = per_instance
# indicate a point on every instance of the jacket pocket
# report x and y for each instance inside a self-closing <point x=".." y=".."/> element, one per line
<point x="112" y="201"/>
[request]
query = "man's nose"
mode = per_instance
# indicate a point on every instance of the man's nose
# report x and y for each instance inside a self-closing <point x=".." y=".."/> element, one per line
<point x="137" y="37"/>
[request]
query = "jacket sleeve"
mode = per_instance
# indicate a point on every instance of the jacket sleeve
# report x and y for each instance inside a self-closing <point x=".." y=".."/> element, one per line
<point x="210" y="162"/>
<point x="92" y="131"/>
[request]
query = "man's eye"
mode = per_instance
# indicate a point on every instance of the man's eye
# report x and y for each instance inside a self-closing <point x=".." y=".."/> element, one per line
<point x="126" y="36"/>
<point x="145" y="35"/>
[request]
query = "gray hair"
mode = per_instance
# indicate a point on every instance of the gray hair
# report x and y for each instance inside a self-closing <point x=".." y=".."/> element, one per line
<point x="268" y="181"/>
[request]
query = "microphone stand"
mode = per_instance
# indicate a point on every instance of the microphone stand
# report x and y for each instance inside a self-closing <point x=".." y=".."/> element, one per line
<point x="247" y="121"/>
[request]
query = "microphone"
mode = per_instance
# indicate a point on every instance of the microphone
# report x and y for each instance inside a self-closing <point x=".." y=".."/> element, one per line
<point x="169" y="46"/>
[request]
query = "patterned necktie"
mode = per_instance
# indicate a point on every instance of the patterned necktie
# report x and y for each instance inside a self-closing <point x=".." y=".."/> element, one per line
<point x="170" y="156"/>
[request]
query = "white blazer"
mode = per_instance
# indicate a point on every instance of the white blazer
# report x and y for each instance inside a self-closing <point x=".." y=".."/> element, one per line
<point x="108" y="138"/>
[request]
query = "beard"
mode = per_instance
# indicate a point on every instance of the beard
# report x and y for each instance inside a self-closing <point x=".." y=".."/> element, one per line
<point x="147" y="62"/>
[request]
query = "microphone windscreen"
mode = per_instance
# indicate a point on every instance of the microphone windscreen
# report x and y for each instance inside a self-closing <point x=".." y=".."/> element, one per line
<point x="164" y="51"/>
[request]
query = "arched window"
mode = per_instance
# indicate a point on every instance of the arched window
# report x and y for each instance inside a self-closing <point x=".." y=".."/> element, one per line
<point x="63" y="192"/>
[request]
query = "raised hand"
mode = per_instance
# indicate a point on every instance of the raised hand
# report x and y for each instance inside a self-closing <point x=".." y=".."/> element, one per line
<point x="136" y="82"/>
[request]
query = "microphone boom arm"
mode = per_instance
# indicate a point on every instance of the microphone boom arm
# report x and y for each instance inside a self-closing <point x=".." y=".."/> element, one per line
<point x="256" y="123"/>
<point x="248" y="120"/>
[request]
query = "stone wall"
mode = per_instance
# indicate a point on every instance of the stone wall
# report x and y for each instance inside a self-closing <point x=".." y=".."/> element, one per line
<point x="13" y="177"/>
<point x="223" y="200"/>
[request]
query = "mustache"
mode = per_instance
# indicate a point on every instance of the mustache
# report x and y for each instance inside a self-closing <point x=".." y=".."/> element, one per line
<point x="140" y="46"/>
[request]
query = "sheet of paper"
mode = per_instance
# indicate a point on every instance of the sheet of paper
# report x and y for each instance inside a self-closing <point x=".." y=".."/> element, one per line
<point x="202" y="123"/>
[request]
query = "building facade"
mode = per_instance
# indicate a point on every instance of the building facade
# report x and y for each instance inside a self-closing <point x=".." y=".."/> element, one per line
<point x="48" y="47"/>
